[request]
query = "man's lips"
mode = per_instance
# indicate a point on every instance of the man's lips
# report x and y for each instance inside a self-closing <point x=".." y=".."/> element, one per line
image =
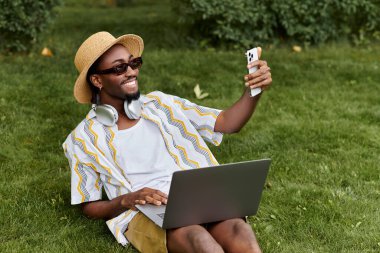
<point x="129" y="83"/>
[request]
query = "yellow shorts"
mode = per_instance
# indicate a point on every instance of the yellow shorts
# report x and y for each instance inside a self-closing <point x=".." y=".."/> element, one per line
<point x="145" y="235"/>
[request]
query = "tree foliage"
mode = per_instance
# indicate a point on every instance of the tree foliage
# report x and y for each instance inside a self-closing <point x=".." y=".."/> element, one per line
<point x="22" y="20"/>
<point x="257" y="21"/>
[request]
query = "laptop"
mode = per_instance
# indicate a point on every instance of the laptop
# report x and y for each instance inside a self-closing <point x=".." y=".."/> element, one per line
<point x="211" y="194"/>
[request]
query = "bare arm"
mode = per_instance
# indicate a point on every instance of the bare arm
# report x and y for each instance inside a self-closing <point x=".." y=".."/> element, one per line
<point x="108" y="209"/>
<point x="234" y="118"/>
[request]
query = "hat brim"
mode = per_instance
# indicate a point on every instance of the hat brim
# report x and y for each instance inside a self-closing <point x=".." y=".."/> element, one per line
<point x="82" y="90"/>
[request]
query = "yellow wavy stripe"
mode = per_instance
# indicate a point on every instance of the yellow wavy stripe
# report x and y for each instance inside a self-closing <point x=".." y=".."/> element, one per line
<point x="120" y="218"/>
<point x="163" y="136"/>
<point x="97" y="184"/>
<point x="184" y="128"/>
<point x="92" y="154"/>
<point x="187" y="158"/>
<point x="212" y="133"/>
<point x="111" y="146"/>
<point x="96" y="141"/>
<point x="206" y="129"/>
<point x="94" y="168"/>
<point x="125" y="215"/>
<point x="114" y="155"/>
<point x="118" y="191"/>
<point x="96" y="137"/>
<point x="117" y="231"/>
<point x="80" y="179"/>
<point x="195" y="109"/>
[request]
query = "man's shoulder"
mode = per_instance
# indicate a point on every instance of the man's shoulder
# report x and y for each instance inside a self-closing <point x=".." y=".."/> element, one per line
<point x="156" y="95"/>
<point x="77" y="130"/>
<point x="160" y="97"/>
<point x="80" y="129"/>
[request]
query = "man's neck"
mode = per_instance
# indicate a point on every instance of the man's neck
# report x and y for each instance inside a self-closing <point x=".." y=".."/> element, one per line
<point x="116" y="103"/>
<point x="123" y="121"/>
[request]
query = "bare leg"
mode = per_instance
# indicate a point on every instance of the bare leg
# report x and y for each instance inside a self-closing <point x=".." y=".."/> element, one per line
<point x="235" y="235"/>
<point x="191" y="239"/>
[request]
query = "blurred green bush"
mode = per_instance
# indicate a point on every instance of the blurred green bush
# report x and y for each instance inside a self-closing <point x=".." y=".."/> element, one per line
<point x="119" y="3"/>
<point x="243" y="22"/>
<point x="21" y="21"/>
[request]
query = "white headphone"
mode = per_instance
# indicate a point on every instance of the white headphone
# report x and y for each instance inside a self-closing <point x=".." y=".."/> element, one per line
<point x="108" y="116"/>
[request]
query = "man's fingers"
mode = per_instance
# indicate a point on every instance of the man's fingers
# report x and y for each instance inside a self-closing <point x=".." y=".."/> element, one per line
<point x="263" y="84"/>
<point x="163" y="197"/>
<point x="258" y="63"/>
<point x="152" y="200"/>
<point x="147" y="190"/>
<point x="258" y="79"/>
<point x="151" y="196"/>
<point x="149" y="199"/>
<point x="160" y="198"/>
<point x="259" y="72"/>
<point x="140" y="201"/>
<point x="156" y="199"/>
<point x="160" y="193"/>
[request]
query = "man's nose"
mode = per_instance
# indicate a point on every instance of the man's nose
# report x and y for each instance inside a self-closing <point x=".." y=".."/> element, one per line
<point x="131" y="72"/>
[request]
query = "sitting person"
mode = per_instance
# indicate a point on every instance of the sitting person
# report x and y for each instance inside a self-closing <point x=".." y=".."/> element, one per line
<point x="130" y="144"/>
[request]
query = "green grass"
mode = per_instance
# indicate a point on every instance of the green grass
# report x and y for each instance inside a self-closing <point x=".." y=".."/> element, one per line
<point x="320" y="124"/>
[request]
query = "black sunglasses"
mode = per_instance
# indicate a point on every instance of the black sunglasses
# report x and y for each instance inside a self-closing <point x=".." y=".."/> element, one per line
<point x="123" y="67"/>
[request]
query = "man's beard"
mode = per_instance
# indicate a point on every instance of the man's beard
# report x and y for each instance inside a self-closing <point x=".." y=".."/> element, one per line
<point x="131" y="97"/>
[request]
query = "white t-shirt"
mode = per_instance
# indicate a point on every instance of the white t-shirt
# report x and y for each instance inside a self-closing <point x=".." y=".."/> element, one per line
<point x="144" y="155"/>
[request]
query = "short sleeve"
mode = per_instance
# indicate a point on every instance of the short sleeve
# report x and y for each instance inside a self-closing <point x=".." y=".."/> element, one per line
<point x="202" y="118"/>
<point x="85" y="180"/>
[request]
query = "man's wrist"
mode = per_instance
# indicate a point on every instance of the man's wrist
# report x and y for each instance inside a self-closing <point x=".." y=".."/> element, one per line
<point x="126" y="201"/>
<point x="248" y="92"/>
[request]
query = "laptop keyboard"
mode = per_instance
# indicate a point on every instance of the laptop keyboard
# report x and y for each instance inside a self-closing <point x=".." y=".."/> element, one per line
<point x="161" y="215"/>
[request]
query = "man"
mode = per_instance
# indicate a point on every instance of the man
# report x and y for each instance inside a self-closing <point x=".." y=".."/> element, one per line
<point x="133" y="158"/>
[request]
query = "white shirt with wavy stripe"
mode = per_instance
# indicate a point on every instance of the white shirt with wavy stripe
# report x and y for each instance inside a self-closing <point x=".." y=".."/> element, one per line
<point x="95" y="154"/>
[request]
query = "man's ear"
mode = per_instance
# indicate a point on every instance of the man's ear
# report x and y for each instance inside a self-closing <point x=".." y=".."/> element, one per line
<point x="96" y="81"/>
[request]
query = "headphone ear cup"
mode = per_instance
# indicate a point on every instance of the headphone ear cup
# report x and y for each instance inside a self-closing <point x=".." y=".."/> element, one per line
<point x="106" y="114"/>
<point x="133" y="109"/>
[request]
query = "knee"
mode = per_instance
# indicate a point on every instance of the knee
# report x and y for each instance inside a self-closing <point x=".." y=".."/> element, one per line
<point x="192" y="239"/>
<point x="244" y="233"/>
<point x="203" y="242"/>
<point x="241" y="227"/>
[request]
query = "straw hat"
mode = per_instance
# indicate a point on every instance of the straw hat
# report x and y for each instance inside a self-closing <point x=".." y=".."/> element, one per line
<point x="91" y="49"/>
